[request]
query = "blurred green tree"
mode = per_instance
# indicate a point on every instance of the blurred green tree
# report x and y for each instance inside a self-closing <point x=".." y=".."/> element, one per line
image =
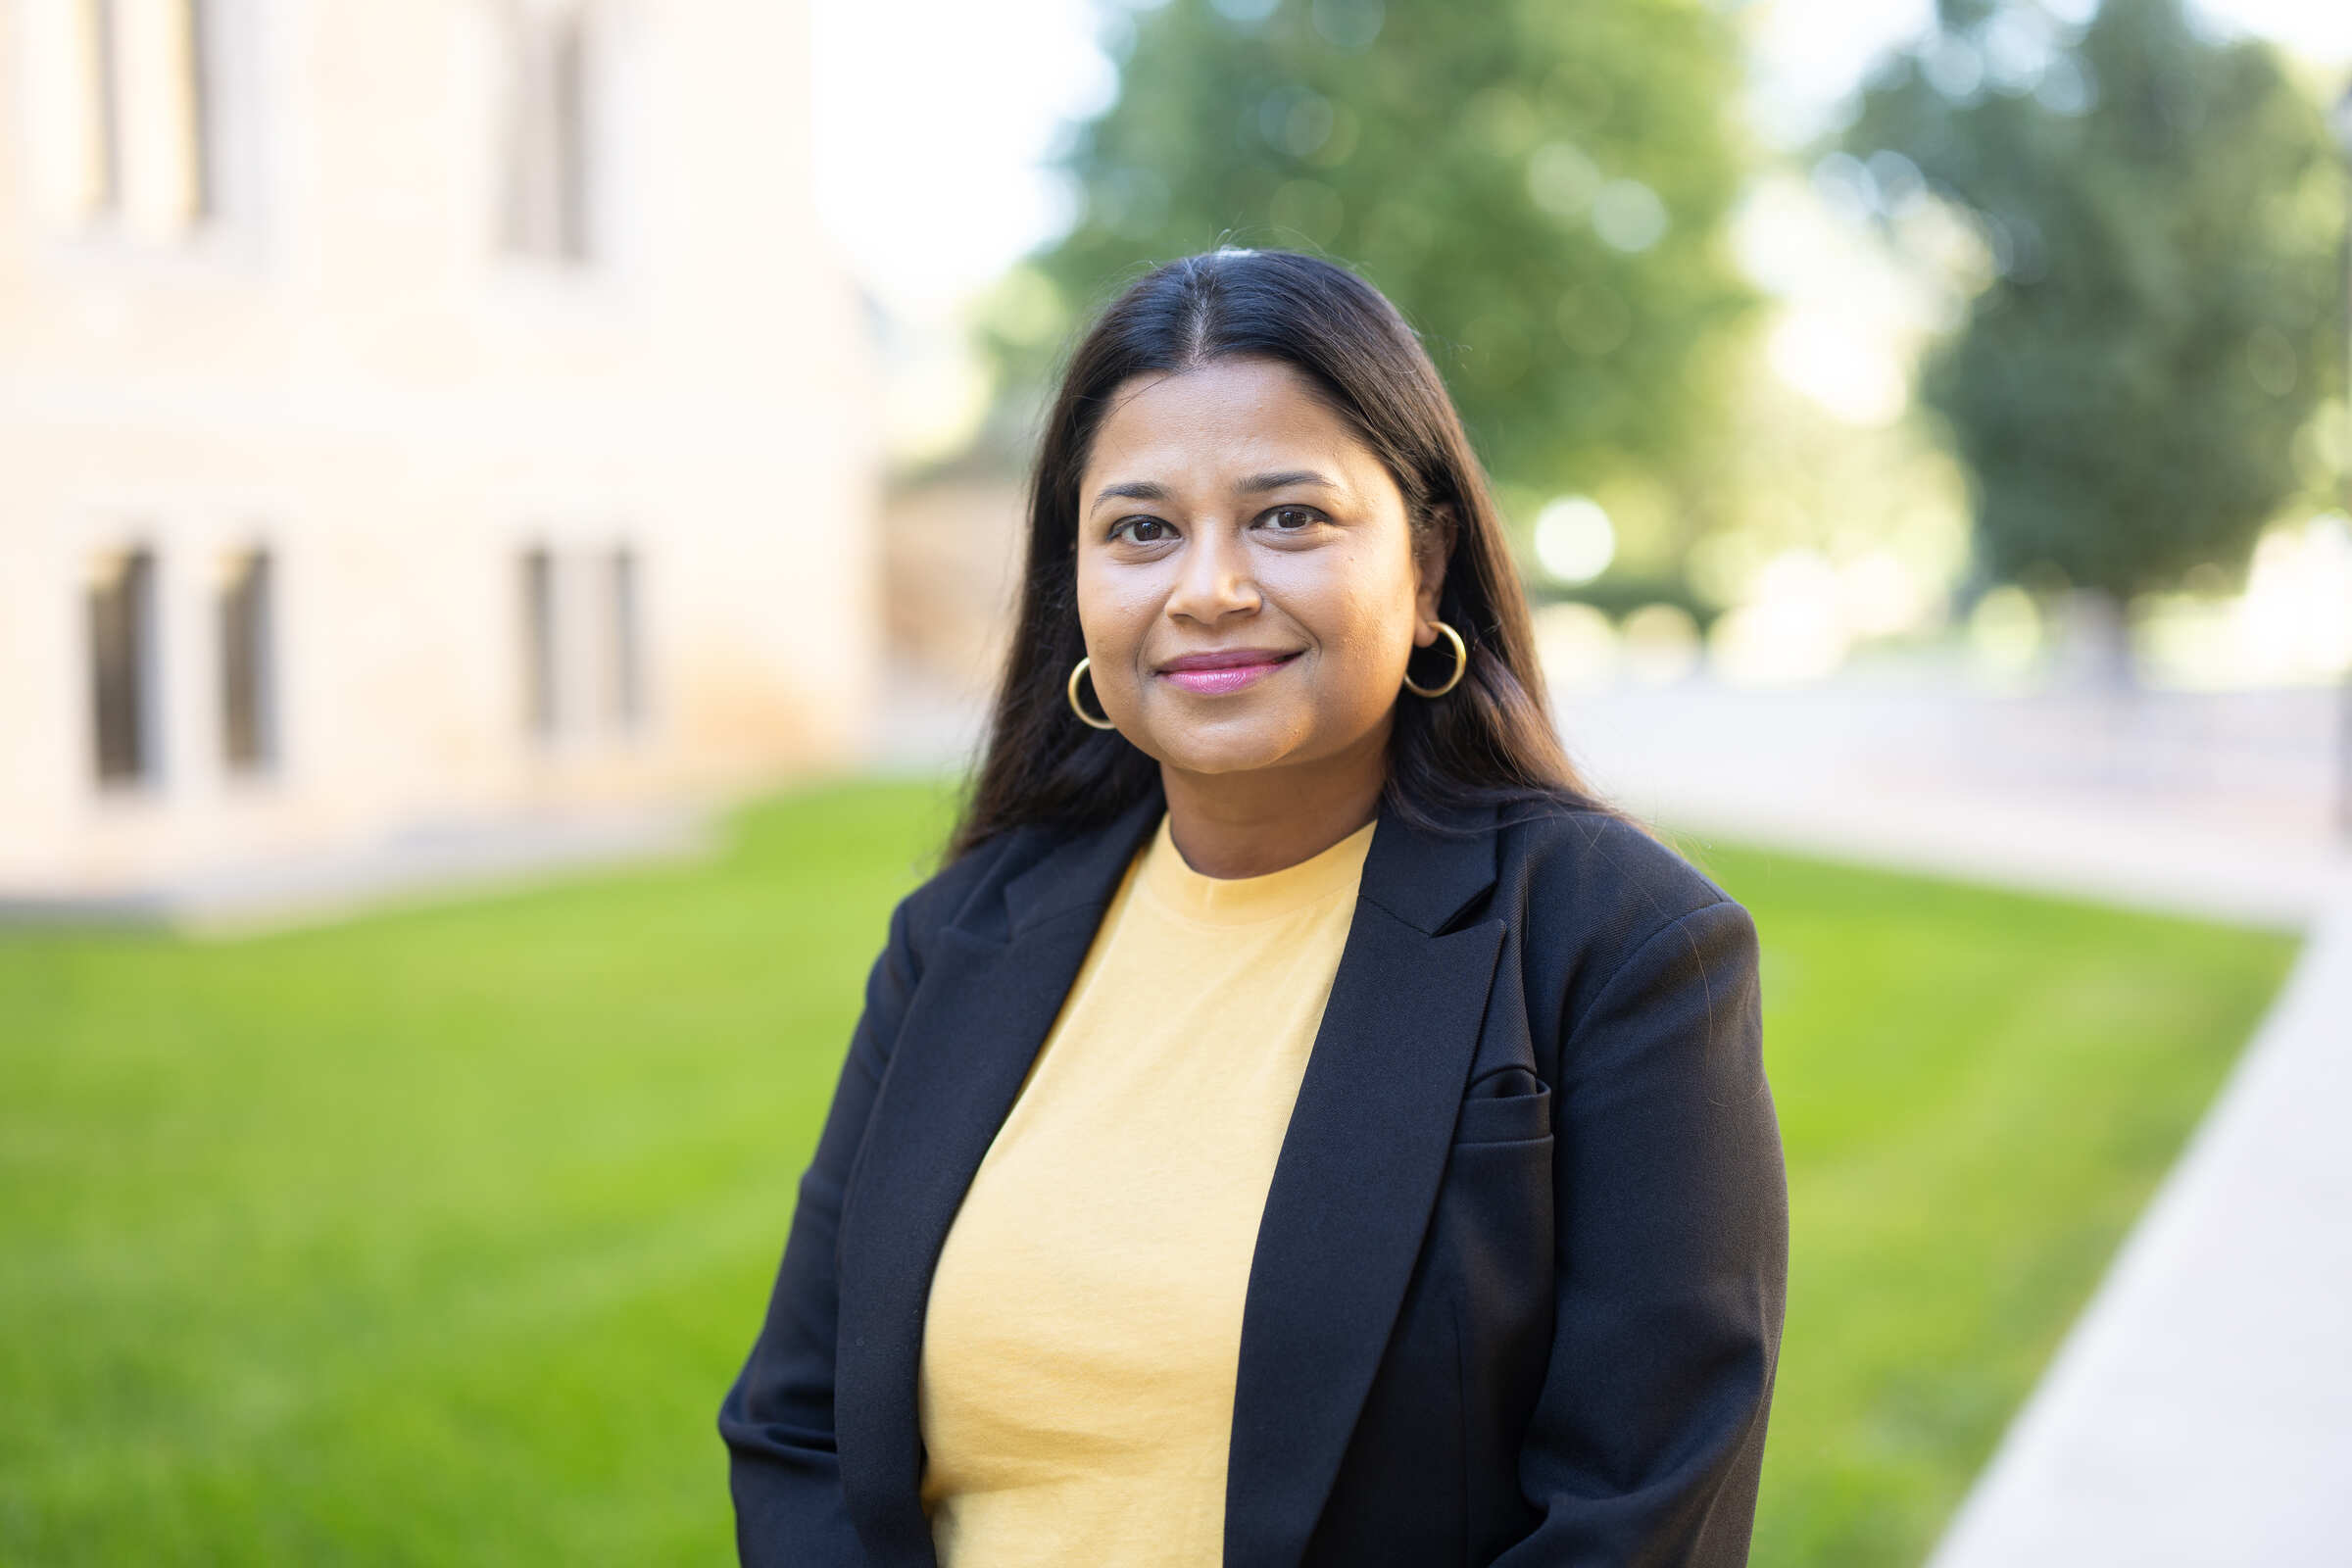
<point x="2162" y="213"/>
<point x="1540" y="186"/>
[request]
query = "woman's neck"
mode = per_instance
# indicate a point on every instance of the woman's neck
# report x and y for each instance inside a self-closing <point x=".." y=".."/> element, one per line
<point x="1265" y="820"/>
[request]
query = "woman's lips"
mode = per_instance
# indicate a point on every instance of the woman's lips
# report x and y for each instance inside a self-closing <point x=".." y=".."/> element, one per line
<point x="1225" y="678"/>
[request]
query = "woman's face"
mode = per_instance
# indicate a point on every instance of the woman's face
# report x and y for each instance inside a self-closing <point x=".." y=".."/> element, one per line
<point x="1247" y="580"/>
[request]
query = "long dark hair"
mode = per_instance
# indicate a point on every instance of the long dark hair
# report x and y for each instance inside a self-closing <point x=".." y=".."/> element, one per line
<point x="1489" y="739"/>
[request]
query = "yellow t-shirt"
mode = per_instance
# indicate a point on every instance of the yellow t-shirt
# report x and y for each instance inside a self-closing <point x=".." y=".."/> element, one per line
<point x="1084" y="1328"/>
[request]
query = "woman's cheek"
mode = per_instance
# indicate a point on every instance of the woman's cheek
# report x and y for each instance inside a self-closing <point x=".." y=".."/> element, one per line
<point x="1361" y="644"/>
<point x="1114" y="624"/>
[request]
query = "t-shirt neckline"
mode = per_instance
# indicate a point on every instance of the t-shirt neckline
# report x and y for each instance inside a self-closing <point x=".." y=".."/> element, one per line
<point x="1250" y="900"/>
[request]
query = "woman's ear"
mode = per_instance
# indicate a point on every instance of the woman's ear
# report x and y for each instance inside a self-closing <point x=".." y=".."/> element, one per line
<point x="1433" y="548"/>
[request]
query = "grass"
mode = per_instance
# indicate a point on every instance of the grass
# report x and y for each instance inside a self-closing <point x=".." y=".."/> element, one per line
<point x="433" y="1236"/>
<point x="1978" y="1091"/>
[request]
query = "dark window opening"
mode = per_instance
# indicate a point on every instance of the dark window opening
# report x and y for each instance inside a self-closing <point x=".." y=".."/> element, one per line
<point x="204" y="161"/>
<point x="549" y="186"/>
<point x="149" y="151"/>
<point x="248" y="728"/>
<point x="106" y="67"/>
<point x="567" y="95"/>
<point x="626" y="645"/>
<point x="539" y="641"/>
<point x="122" y="599"/>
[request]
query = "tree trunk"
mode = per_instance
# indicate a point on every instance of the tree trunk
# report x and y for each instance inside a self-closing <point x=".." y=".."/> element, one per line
<point x="2094" y="654"/>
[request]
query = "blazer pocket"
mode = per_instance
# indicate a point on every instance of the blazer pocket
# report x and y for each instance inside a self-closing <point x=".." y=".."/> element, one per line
<point x="1504" y="1118"/>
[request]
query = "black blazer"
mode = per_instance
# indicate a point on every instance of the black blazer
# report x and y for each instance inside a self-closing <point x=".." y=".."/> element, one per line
<point x="1517" y="1290"/>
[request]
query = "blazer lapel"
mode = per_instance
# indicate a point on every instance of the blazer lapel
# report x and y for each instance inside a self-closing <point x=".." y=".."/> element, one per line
<point x="1357" y="1178"/>
<point x="978" y="1015"/>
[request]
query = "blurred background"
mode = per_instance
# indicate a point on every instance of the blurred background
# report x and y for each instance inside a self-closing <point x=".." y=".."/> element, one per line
<point x="508" y="512"/>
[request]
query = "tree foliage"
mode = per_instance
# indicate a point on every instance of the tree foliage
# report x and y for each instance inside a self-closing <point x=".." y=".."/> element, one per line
<point x="1539" y="184"/>
<point x="2162" y="212"/>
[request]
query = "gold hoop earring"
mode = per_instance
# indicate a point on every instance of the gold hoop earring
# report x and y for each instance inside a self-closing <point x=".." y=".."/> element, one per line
<point x="1075" y="676"/>
<point x="1461" y="663"/>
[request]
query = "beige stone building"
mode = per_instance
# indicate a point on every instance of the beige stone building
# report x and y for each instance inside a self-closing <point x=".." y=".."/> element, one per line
<point x="431" y="412"/>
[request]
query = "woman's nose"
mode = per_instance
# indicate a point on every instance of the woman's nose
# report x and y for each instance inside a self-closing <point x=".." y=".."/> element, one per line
<point x="1212" y="577"/>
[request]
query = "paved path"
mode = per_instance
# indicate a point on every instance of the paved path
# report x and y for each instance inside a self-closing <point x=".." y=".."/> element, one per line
<point x="2199" y="805"/>
<point x="2200" y="1412"/>
<point x="427" y="860"/>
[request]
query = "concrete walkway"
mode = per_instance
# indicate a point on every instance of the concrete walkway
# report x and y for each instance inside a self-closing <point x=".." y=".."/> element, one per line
<point x="426" y="862"/>
<point x="2200" y="1411"/>
<point x="2205" y="804"/>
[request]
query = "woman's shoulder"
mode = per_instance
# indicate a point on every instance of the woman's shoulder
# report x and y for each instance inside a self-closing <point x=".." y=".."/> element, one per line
<point x="1597" y="870"/>
<point x="942" y="896"/>
<point x="975" y="877"/>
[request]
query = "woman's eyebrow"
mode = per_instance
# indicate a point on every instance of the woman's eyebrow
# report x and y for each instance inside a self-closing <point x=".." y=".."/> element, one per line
<point x="1282" y="479"/>
<point x="1255" y="484"/>
<point x="1132" y="490"/>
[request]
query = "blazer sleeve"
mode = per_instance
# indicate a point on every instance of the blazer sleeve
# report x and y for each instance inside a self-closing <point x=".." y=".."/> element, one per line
<point x="1672" y="1210"/>
<point x="777" y="1420"/>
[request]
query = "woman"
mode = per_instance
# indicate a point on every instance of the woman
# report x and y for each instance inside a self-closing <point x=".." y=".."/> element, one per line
<point x="1298" y="1125"/>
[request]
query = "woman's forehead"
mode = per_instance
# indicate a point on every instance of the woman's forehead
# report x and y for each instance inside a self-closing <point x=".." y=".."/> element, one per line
<point x="1229" y="416"/>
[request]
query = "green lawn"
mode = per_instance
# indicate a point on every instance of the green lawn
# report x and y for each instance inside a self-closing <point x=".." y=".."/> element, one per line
<point x="433" y="1237"/>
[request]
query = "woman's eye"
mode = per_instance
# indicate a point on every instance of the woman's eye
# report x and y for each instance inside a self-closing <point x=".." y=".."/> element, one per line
<point x="1142" y="530"/>
<point x="1294" y="520"/>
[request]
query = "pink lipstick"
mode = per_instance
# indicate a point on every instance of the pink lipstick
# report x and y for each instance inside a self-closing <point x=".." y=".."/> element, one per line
<point x="1215" y="674"/>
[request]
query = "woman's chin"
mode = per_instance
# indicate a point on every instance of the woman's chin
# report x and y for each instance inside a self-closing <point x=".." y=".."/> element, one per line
<point x="1229" y="748"/>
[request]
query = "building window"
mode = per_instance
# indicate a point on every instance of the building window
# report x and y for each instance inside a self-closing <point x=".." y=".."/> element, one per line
<point x="122" y="599"/>
<point x="625" y="643"/>
<point x="547" y="158"/>
<point x="122" y="105"/>
<point x="539" y="648"/>
<point x="248" y="684"/>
